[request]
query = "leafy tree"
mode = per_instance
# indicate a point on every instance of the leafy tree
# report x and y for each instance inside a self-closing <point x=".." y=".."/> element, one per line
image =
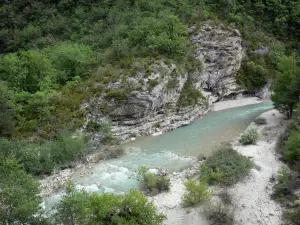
<point x="6" y="111"/>
<point x="252" y="76"/>
<point x="72" y="59"/>
<point x="286" y="86"/>
<point x="19" y="194"/>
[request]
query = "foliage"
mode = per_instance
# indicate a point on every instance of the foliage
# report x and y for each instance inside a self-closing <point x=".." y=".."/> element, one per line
<point x="189" y="96"/>
<point x="83" y="208"/>
<point x="291" y="148"/>
<point x="151" y="181"/>
<point x="292" y="216"/>
<point x="249" y="137"/>
<point x="19" y="195"/>
<point x="286" y="86"/>
<point x="225" y="166"/>
<point x="219" y="215"/>
<point x="7" y="111"/>
<point x="195" y="193"/>
<point x="252" y="76"/>
<point x="284" y="186"/>
<point x="42" y="158"/>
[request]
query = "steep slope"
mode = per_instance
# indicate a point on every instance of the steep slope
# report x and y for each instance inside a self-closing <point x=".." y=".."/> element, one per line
<point x="170" y="97"/>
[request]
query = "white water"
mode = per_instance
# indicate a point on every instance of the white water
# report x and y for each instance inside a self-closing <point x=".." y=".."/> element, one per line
<point x="172" y="151"/>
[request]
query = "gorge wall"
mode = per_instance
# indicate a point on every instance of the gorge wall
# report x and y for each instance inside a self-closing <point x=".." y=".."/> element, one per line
<point x="170" y="97"/>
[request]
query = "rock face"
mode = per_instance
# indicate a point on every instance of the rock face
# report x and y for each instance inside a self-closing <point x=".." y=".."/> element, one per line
<point x="221" y="51"/>
<point x="154" y="106"/>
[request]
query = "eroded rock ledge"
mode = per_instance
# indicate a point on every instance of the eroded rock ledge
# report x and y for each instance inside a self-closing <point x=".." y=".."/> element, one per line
<point x="156" y="109"/>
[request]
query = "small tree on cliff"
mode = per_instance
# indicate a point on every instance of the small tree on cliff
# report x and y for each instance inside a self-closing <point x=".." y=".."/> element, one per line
<point x="286" y="86"/>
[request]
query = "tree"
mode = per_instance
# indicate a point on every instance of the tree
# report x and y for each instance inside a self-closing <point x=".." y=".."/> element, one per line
<point x="19" y="200"/>
<point x="71" y="59"/>
<point x="286" y="86"/>
<point x="6" y="111"/>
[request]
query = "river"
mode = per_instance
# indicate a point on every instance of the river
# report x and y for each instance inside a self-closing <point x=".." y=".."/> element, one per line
<point x="172" y="151"/>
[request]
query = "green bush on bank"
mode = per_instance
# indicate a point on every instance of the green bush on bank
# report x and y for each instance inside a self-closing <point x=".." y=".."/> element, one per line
<point x="42" y="158"/>
<point x="195" y="193"/>
<point x="249" y="137"/>
<point x="225" y="166"/>
<point x="151" y="181"/>
<point x="283" y="189"/>
<point x="219" y="214"/>
<point x="82" y="208"/>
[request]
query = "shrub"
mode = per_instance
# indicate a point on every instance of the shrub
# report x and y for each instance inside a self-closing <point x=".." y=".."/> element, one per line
<point x="285" y="135"/>
<point x="284" y="186"/>
<point x="195" y="193"/>
<point x="225" y="166"/>
<point x="83" y="208"/>
<point x="225" y="197"/>
<point x="151" y="181"/>
<point x="219" y="215"/>
<point x="260" y="121"/>
<point x="118" y="95"/>
<point x="249" y="137"/>
<point x="189" y="96"/>
<point x="153" y="83"/>
<point x="293" y="216"/>
<point x="291" y="149"/>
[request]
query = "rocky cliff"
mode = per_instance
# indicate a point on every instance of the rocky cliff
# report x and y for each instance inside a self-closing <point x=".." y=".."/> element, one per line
<point x="170" y="96"/>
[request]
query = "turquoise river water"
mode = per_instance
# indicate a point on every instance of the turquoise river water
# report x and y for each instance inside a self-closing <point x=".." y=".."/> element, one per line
<point x="172" y="150"/>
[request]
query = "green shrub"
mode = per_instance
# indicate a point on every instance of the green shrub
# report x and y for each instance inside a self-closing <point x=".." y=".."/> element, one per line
<point x="280" y="144"/>
<point x="260" y="121"/>
<point x="152" y="182"/>
<point x="153" y="83"/>
<point x="291" y="149"/>
<point x="93" y="126"/>
<point x="118" y="95"/>
<point x="225" y="166"/>
<point x="189" y="96"/>
<point x="249" y="137"/>
<point x="219" y="215"/>
<point x="83" y="208"/>
<point x="292" y="217"/>
<point x="195" y="193"/>
<point x="284" y="187"/>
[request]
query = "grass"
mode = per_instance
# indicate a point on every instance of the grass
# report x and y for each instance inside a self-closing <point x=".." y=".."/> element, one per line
<point x="225" y="166"/>
<point x="249" y="137"/>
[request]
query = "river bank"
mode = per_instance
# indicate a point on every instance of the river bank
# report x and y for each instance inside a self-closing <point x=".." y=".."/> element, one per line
<point x="156" y="151"/>
<point x="251" y="197"/>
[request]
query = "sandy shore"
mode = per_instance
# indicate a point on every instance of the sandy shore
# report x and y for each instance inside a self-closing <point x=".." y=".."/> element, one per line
<point x="251" y="197"/>
<point x="235" y="103"/>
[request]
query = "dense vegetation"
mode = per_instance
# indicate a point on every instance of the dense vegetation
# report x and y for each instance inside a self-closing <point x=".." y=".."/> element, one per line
<point x="225" y="166"/>
<point x="55" y="55"/>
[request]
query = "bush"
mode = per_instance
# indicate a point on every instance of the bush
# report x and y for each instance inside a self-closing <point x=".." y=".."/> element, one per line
<point x="285" y="135"/>
<point x="119" y="95"/>
<point x="225" y="197"/>
<point x="292" y="217"/>
<point x="225" y="166"/>
<point x="291" y="149"/>
<point x="260" y="121"/>
<point x="219" y="215"/>
<point x="249" y="137"/>
<point x="82" y="208"/>
<point x="195" y="193"/>
<point x="284" y="187"/>
<point x="152" y="182"/>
